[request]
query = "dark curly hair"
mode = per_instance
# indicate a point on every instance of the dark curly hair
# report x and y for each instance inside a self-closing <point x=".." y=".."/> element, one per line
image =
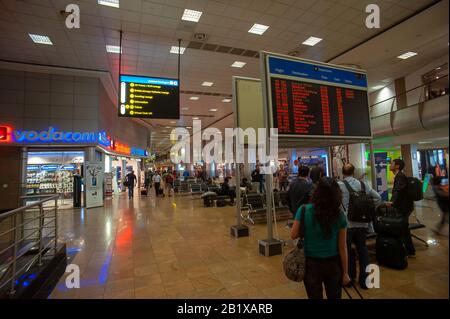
<point x="327" y="200"/>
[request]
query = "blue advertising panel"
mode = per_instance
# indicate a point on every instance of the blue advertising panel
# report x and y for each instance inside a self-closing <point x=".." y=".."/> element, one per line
<point x="381" y="165"/>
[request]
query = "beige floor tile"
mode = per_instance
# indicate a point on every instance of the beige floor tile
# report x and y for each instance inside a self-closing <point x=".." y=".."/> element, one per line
<point x="120" y="294"/>
<point x="147" y="280"/>
<point x="179" y="287"/>
<point x="189" y="248"/>
<point x="150" y="292"/>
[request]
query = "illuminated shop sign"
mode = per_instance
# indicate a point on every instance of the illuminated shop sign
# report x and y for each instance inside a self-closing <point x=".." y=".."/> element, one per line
<point x="49" y="167"/>
<point x="121" y="148"/>
<point x="139" y="152"/>
<point x="52" y="167"/>
<point x="5" y="134"/>
<point x="52" y="135"/>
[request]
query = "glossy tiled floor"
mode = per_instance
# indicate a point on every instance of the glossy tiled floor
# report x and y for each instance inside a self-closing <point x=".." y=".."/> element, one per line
<point x="175" y="248"/>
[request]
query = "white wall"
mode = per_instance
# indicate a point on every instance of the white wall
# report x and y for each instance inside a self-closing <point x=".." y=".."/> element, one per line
<point x="386" y="93"/>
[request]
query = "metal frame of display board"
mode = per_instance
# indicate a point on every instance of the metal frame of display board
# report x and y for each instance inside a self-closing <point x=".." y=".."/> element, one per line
<point x="238" y="230"/>
<point x="264" y="60"/>
<point x="271" y="246"/>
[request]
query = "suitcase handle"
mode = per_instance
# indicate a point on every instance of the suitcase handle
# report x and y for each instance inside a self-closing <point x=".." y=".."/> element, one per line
<point x="352" y="285"/>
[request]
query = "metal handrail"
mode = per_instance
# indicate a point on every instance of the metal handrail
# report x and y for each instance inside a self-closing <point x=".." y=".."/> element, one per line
<point x="45" y="218"/>
<point x="408" y="91"/>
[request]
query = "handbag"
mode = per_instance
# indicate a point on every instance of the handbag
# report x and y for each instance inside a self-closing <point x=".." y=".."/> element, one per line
<point x="294" y="261"/>
<point x="389" y="222"/>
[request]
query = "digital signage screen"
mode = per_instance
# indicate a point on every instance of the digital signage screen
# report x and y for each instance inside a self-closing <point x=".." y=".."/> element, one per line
<point x="316" y="100"/>
<point x="148" y="97"/>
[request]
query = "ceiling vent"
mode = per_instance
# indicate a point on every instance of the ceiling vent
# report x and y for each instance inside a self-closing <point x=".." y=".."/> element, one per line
<point x="221" y="48"/>
<point x="200" y="37"/>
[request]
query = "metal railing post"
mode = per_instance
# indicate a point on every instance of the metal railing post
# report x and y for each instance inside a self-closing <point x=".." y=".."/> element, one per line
<point x="41" y="226"/>
<point x="14" y="256"/>
<point x="56" y="225"/>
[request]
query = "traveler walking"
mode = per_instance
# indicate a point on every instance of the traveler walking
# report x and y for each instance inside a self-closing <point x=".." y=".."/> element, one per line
<point x="325" y="241"/>
<point x="157" y="183"/>
<point x="257" y="177"/>
<point x="131" y="181"/>
<point x="441" y="194"/>
<point x="357" y="228"/>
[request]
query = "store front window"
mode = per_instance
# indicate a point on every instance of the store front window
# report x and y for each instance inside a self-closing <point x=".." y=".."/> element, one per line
<point x="52" y="173"/>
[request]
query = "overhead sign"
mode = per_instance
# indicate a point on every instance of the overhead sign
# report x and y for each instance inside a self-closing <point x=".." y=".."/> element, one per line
<point x="146" y="97"/>
<point x="316" y="100"/>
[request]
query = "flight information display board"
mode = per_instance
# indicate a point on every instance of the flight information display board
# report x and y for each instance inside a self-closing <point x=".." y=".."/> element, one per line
<point x="317" y="100"/>
<point x="147" y="97"/>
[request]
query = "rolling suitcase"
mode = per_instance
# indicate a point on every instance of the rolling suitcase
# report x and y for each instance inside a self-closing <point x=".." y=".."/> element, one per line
<point x="391" y="252"/>
<point x="388" y="222"/>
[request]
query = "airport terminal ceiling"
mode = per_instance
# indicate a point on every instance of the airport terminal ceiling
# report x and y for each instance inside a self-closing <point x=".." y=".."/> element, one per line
<point x="215" y="48"/>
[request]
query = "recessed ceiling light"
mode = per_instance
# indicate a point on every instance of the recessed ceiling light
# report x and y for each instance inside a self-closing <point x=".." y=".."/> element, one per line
<point x="226" y="100"/>
<point x="191" y="15"/>
<point x="312" y="41"/>
<point x="386" y="81"/>
<point x="407" y="55"/>
<point x="207" y="83"/>
<point x="185" y="108"/>
<point x="109" y="3"/>
<point x="213" y="110"/>
<point x="173" y="122"/>
<point x="188" y="126"/>
<point x="238" y="64"/>
<point x="168" y="127"/>
<point x="175" y="49"/>
<point x="195" y="118"/>
<point x="258" y="28"/>
<point x="194" y="98"/>
<point x="41" y="39"/>
<point x="377" y="87"/>
<point x="113" y="49"/>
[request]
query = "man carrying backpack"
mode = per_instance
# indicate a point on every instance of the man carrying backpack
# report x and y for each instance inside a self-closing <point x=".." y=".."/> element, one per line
<point x="359" y="201"/>
<point x="403" y="202"/>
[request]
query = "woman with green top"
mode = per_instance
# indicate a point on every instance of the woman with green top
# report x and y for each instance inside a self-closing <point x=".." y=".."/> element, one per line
<point x="325" y="241"/>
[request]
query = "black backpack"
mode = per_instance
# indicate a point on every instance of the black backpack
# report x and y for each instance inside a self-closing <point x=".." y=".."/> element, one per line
<point x="415" y="189"/>
<point x="360" y="205"/>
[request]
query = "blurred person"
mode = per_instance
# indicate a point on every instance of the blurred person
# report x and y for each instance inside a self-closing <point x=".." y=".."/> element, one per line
<point x="441" y="194"/>
<point x="299" y="192"/>
<point x="157" y="183"/>
<point x="131" y="181"/>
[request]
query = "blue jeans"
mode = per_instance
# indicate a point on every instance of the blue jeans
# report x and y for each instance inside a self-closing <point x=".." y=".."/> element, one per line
<point x="262" y="187"/>
<point x="130" y="191"/>
<point x="358" y="237"/>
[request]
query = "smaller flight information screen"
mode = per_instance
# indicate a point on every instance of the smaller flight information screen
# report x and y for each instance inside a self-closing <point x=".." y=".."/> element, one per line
<point x="317" y="100"/>
<point x="147" y="97"/>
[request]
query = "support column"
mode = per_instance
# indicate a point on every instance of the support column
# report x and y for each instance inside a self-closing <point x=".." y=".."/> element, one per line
<point x="357" y="157"/>
<point x="270" y="246"/>
<point x="409" y="156"/>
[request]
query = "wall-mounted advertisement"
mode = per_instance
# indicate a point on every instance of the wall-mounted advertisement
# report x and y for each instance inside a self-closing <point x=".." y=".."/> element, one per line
<point x="94" y="172"/>
<point x="146" y="97"/>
